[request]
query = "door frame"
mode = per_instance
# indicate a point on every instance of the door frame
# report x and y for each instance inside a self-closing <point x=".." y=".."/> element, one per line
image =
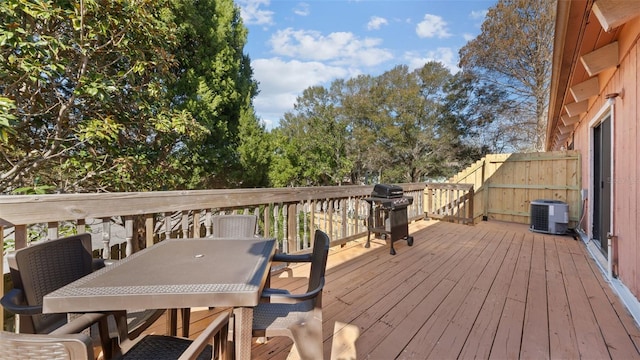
<point x="606" y="112"/>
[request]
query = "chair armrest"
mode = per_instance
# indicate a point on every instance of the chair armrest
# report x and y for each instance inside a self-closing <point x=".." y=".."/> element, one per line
<point x="219" y="326"/>
<point x="292" y="258"/>
<point x="296" y="298"/>
<point x="14" y="302"/>
<point x="268" y="292"/>
<point x="80" y="323"/>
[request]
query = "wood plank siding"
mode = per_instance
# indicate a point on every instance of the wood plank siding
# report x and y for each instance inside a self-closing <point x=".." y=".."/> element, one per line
<point x="490" y="291"/>
<point x="583" y="30"/>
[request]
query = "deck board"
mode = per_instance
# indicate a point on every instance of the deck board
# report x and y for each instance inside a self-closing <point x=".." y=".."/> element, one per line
<point x="536" y="324"/>
<point x="590" y="342"/>
<point x="493" y="290"/>
<point x="562" y="335"/>
<point x="480" y="338"/>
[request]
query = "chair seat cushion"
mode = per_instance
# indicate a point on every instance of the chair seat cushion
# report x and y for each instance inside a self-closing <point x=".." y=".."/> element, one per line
<point x="281" y="316"/>
<point x="159" y="347"/>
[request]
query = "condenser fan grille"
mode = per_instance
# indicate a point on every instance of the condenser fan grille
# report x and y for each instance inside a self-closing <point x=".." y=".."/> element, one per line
<point x="540" y="217"/>
<point x="549" y="216"/>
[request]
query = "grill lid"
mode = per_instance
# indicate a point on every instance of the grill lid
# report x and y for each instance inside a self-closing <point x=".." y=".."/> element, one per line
<point x="387" y="191"/>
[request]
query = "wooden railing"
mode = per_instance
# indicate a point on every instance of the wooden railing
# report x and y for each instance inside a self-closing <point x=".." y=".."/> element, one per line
<point x="288" y="214"/>
<point x="449" y="202"/>
<point x="122" y="223"/>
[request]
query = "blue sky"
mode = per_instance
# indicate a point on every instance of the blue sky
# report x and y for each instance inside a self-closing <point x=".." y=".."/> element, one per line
<point x="297" y="44"/>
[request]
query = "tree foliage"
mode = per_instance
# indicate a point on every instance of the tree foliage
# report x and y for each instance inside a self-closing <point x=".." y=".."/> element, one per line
<point x="214" y="83"/>
<point x="120" y="95"/>
<point x="512" y="55"/>
<point x="311" y="143"/>
<point x="391" y="128"/>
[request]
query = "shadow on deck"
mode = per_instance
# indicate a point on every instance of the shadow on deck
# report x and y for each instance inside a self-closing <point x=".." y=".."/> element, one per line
<point x="493" y="290"/>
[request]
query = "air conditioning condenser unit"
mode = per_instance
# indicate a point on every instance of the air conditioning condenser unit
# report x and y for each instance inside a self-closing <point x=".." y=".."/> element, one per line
<point x="550" y="217"/>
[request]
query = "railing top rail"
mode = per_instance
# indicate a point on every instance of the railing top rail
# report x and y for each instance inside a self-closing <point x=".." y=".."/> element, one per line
<point x="449" y="186"/>
<point x="29" y="209"/>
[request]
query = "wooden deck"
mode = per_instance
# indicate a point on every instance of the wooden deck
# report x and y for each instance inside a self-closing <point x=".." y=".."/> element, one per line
<point x="493" y="290"/>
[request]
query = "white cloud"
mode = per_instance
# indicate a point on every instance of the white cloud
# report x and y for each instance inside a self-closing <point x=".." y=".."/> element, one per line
<point x="338" y="48"/>
<point x="446" y="56"/>
<point x="376" y="22"/>
<point x="432" y="26"/>
<point x="302" y="9"/>
<point x="479" y="14"/>
<point x="252" y="13"/>
<point x="281" y="82"/>
<point x="468" y="36"/>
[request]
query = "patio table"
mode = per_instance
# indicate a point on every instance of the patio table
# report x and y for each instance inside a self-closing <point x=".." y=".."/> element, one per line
<point x="178" y="273"/>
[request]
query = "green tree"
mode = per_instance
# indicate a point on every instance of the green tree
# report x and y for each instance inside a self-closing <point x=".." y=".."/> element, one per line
<point x="285" y="168"/>
<point x="214" y="83"/>
<point x="397" y="123"/>
<point x="396" y="127"/>
<point x="88" y="83"/>
<point x="122" y="96"/>
<point x="513" y="54"/>
<point x="254" y="152"/>
<point x="312" y="142"/>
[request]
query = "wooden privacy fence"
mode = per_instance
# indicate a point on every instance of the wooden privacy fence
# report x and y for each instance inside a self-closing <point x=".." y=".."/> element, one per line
<point x="506" y="184"/>
<point x="449" y="202"/>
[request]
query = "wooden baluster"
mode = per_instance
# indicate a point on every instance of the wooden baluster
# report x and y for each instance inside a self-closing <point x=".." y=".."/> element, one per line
<point x="167" y="225"/>
<point x="312" y="214"/>
<point x="324" y="215"/>
<point x="349" y="211"/>
<point x="256" y="213"/>
<point x="305" y="224"/>
<point x="460" y="208"/>
<point x="296" y="224"/>
<point x="196" y="224"/>
<point x="345" y="221"/>
<point x="185" y="224"/>
<point x="20" y="234"/>
<point x="330" y="212"/>
<point x="207" y="223"/>
<point x="428" y="201"/>
<point x="276" y="211"/>
<point x="81" y="226"/>
<point x="286" y="230"/>
<point x="149" y="229"/>
<point x="266" y="216"/>
<point x="128" y="229"/>
<point x="106" y="238"/>
<point x="52" y="230"/>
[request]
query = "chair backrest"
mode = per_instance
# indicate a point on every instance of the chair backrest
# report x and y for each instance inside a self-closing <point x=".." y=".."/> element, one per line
<point x="320" y="254"/>
<point x="50" y="347"/>
<point x="233" y="225"/>
<point x="44" y="267"/>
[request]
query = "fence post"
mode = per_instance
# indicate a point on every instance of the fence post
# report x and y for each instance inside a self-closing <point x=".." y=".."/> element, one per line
<point x="471" y="211"/>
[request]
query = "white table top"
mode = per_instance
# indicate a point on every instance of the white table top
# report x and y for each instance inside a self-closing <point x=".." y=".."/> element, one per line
<point x="174" y="273"/>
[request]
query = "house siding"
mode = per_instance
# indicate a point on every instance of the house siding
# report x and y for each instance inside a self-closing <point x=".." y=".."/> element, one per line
<point x="626" y="173"/>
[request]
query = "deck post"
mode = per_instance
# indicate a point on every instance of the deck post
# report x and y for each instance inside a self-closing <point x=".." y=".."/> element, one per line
<point x="3" y="224"/>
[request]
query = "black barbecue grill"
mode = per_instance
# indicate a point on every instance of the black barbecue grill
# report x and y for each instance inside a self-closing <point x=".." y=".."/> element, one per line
<point x="388" y="214"/>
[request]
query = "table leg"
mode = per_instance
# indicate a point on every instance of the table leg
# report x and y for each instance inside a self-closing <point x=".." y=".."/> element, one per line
<point x="243" y="324"/>
<point x="172" y="322"/>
